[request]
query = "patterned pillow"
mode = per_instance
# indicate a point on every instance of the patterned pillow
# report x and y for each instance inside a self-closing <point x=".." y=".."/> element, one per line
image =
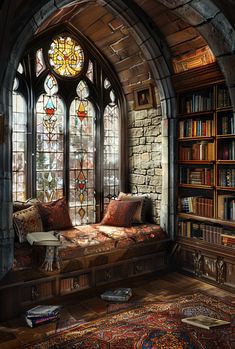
<point x="21" y="205"/>
<point x="120" y="213"/>
<point x="27" y="221"/>
<point x="55" y="215"/>
<point x="139" y="216"/>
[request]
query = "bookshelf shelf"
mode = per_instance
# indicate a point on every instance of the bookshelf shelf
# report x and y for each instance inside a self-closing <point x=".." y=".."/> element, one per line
<point x="196" y="162"/>
<point x="225" y="136"/>
<point x="207" y="220"/>
<point x="196" y="186"/>
<point x="196" y="138"/>
<point x="226" y="188"/>
<point x="195" y="115"/>
<point x="206" y="183"/>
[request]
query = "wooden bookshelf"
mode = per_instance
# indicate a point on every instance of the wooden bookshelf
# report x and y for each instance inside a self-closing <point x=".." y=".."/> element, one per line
<point x="206" y="182"/>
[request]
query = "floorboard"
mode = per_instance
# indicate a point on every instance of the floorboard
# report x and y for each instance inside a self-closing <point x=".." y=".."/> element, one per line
<point x="147" y="289"/>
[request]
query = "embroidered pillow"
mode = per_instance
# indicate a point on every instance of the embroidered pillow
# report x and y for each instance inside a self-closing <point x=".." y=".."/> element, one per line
<point x="120" y="213"/>
<point x="140" y="213"/>
<point x="55" y="215"/>
<point x="21" y="205"/>
<point x="27" y="221"/>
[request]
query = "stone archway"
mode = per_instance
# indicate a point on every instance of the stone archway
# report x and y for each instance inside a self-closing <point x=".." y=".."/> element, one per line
<point x="210" y="23"/>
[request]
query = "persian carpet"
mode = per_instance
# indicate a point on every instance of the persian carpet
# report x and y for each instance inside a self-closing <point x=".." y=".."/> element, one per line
<point x="152" y="326"/>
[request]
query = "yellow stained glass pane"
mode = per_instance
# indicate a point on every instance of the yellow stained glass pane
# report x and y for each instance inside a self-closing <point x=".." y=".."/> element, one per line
<point x="66" y="56"/>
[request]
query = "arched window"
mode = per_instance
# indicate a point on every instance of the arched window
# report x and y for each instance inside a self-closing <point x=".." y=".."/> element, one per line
<point x="66" y="127"/>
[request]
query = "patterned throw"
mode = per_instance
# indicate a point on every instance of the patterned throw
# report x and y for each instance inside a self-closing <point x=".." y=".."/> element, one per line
<point x="152" y="326"/>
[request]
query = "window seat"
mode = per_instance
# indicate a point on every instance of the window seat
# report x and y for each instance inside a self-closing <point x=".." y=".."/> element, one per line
<point x="89" y="245"/>
<point x="91" y="256"/>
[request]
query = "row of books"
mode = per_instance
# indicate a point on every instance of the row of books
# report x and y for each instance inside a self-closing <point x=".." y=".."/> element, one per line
<point x="189" y="229"/>
<point x="198" y="151"/>
<point x="199" y="206"/>
<point x="226" y="150"/>
<point x="195" y="128"/>
<point x="227" y="125"/>
<point x="226" y="207"/>
<point x="197" y="102"/>
<point x="210" y="233"/>
<point x="223" y="98"/>
<point x="42" y="314"/>
<point x="201" y="176"/>
<point x="227" y="177"/>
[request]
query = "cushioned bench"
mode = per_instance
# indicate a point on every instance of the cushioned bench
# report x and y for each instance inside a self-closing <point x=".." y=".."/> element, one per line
<point x="90" y="255"/>
<point x="83" y="244"/>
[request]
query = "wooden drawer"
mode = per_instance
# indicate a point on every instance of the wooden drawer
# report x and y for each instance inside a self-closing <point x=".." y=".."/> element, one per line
<point x="109" y="274"/>
<point x="147" y="265"/>
<point x="37" y="291"/>
<point x="75" y="283"/>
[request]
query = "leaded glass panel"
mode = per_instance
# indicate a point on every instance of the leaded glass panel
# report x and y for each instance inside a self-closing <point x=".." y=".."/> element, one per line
<point x="20" y="68"/>
<point x="111" y="152"/>
<point x="81" y="165"/>
<point x="19" y="148"/>
<point x="49" y="146"/>
<point x="66" y="56"/>
<point x="40" y="64"/>
<point x="90" y="71"/>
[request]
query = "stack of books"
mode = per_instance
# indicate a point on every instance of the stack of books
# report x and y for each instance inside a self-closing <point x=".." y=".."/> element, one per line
<point x="117" y="295"/>
<point x="42" y="314"/>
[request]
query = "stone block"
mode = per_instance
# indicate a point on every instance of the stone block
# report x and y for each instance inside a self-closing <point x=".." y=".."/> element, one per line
<point x="136" y="132"/>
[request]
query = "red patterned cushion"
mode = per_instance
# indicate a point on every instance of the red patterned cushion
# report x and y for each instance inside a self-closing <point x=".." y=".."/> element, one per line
<point x="139" y="216"/>
<point x="27" y="221"/>
<point x="120" y="213"/>
<point x="55" y="215"/>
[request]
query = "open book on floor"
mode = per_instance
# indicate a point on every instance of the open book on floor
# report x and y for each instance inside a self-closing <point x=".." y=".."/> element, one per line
<point x="46" y="238"/>
<point x="204" y="321"/>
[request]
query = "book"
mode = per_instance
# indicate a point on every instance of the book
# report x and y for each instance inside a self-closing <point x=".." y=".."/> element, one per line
<point x="43" y="310"/>
<point x="119" y="295"/>
<point x="204" y="321"/>
<point x="43" y="238"/>
<point x="36" y="321"/>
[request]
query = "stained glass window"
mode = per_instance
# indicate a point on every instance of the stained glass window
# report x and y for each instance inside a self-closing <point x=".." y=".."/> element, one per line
<point x="20" y="68"/>
<point x="111" y="150"/>
<point x="66" y="138"/>
<point x="40" y="64"/>
<point x="19" y="147"/>
<point x="106" y="83"/>
<point x="50" y="143"/>
<point x="90" y="71"/>
<point x="82" y="150"/>
<point x="66" y="56"/>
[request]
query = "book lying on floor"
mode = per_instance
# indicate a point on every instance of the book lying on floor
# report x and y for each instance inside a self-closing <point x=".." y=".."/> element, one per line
<point x="44" y="310"/>
<point x="43" y="238"/>
<point x="35" y="321"/>
<point x="204" y="321"/>
<point x="118" y="295"/>
<point x="42" y="314"/>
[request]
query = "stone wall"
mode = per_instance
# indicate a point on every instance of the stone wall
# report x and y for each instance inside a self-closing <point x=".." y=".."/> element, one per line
<point x="145" y="154"/>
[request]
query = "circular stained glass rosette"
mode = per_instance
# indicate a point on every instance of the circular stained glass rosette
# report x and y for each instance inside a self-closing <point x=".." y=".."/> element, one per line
<point x="66" y="56"/>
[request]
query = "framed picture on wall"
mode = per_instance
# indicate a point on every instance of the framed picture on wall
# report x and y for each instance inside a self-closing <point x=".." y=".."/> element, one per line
<point x="143" y="97"/>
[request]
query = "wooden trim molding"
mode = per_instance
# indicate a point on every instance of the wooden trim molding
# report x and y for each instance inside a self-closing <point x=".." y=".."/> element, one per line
<point x="198" y="77"/>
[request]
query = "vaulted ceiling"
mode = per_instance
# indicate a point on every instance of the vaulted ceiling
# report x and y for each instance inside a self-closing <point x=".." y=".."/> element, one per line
<point x="114" y="36"/>
<point x="185" y="31"/>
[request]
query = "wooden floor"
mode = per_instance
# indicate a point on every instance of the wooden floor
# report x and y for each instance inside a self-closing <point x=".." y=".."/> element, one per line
<point x="14" y="333"/>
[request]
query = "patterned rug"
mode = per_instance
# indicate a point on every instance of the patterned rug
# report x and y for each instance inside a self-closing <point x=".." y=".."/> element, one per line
<point x="152" y="326"/>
